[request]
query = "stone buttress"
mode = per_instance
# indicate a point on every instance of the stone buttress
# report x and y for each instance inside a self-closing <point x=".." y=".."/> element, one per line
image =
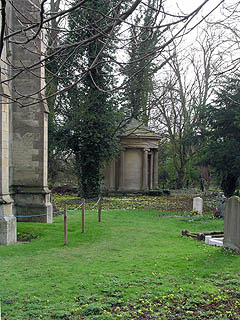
<point x="7" y="220"/>
<point x="24" y="189"/>
<point x="29" y="122"/>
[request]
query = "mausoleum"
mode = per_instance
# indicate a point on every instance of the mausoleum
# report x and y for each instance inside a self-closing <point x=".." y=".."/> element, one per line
<point x="136" y="169"/>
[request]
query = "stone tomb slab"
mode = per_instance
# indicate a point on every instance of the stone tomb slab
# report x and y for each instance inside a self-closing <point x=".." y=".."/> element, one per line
<point x="218" y="242"/>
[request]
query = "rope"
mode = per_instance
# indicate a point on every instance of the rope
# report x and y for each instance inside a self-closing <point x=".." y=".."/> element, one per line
<point x="71" y="201"/>
<point x="78" y="200"/>
<point x="39" y="215"/>
<point x="75" y="208"/>
<point x="139" y="200"/>
<point x="61" y="211"/>
<point x="92" y="199"/>
<point x="94" y="206"/>
<point x="36" y="215"/>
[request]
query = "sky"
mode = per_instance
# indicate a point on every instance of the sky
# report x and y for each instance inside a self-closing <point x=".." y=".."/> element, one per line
<point x="189" y="5"/>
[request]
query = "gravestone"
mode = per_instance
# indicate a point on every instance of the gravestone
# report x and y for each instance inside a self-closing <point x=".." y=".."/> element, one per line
<point x="221" y="202"/>
<point x="198" y="204"/>
<point x="232" y="224"/>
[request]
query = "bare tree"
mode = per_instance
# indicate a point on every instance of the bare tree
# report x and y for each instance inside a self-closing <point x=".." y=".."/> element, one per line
<point x="50" y="18"/>
<point x="225" y="27"/>
<point x="187" y="84"/>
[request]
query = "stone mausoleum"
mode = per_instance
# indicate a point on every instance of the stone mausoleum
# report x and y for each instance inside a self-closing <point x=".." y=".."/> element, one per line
<point x="136" y="169"/>
<point x="24" y="189"/>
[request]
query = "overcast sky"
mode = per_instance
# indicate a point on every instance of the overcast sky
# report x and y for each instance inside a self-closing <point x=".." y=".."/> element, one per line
<point x="189" y="5"/>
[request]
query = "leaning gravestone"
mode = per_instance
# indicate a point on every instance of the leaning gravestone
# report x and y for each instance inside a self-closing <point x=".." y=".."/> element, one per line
<point x="198" y="204"/>
<point x="232" y="224"/>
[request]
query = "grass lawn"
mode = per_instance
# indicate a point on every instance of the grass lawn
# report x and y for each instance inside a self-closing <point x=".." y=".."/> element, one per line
<point x="133" y="265"/>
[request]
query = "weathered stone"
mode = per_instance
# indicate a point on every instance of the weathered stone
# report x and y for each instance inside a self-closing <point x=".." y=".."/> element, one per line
<point x="7" y="220"/>
<point x="33" y="205"/>
<point x="198" y="205"/>
<point x="8" y="233"/>
<point x="221" y="202"/>
<point x="29" y="128"/>
<point x="232" y="224"/>
<point x="218" y="242"/>
<point x="23" y="138"/>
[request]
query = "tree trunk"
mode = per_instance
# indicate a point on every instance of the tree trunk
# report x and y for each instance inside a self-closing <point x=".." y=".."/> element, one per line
<point x="180" y="179"/>
<point x="90" y="175"/>
<point x="228" y="185"/>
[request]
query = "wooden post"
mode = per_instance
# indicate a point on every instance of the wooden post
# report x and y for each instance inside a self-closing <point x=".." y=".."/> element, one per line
<point x="65" y="225"/>
<point x="83" y="215"/>
<point x="100" y="209"/>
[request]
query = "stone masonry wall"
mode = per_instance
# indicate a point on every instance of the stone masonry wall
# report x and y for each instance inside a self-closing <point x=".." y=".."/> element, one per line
<point x="29" y="124"/>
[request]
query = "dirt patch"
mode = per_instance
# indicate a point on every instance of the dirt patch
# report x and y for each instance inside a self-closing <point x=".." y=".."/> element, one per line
<point x="26" y="236"/>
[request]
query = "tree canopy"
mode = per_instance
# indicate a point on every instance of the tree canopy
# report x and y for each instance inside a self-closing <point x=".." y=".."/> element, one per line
<point x="86" y="117"/>
<point x="221" y="134"/>
<point x="94" y="48"/>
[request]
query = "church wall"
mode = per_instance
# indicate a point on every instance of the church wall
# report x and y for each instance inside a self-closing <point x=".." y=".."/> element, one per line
<point x="29" y="136"/>
<point x="8" y="233"/>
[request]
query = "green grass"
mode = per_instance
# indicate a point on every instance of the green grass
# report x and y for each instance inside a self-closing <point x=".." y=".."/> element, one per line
<point x="132" y="265"/>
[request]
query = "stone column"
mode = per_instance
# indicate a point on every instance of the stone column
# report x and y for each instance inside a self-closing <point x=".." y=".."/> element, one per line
<point x="151" y="171"/>
<point x="145" y="170"/>
<point x="112" y="183"/>
<point x="121" y="171"/>
<point x="7" y="220"/>
<point x="155" y="169"/>
<point x="29" y="139"/>
<point x="8" y="234"/>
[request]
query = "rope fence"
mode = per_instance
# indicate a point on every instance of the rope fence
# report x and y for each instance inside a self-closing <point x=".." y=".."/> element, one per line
<point x="63" y="202"/>
<point x="100" y="204"/>
<point x="81" y="206"/>
<point x="84" y="204"/>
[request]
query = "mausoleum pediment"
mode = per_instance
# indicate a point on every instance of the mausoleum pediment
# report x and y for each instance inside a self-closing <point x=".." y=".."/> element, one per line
<point x="137" y="129"/>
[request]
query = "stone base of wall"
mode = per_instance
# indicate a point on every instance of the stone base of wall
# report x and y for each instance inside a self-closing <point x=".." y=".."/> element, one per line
<point x="32" y="204"/>
<point x="8" y="233"/>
